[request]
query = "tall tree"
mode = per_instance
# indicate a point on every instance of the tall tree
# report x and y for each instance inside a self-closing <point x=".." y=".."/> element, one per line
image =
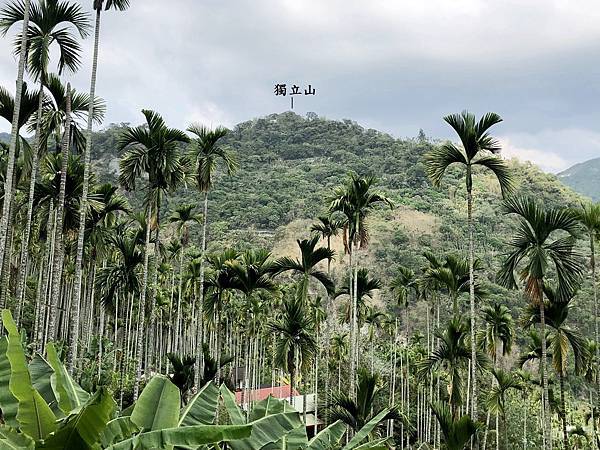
<point x="207" y="154"/>
<point x="355" y="200"/>
<point x="50" y="24"/>
<point x="15" y="123"/>
<point x="452" y="354"/>
<point x="296" y="345"/>
<point x="307" y="266"/>
<point x="152" y="149"/>
<point x="538" y="248"/>
<point x="561" y="338"/>
<point x="588" y="215"/>
<point x="327" y="227"/>
<point x="182" y="217"/>
<point x="220" y="280"/>
<point x="496" y="335"/>
<point x="120" y="5"/>
<point x="479" y="149"/>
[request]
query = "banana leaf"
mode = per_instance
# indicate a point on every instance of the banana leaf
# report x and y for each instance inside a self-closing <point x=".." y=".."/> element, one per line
<point x="41" y="373"/>
<point x="35" y="417"/>
<point x="366" y="430"/>
<point x="236" y="416"/>
<point x="268" y="406"/>
<point x="8" y="403"/>
<point x="82" y="430"/>
<point x="70" y="396"/>
<point x="377" y="444"/>
<point x="194" y="437"/>
<point x="117" y="430"/>
<point x="11" y="439"/>
<point x="268" y="430"/>
<point x="329" y="437"/>
<point x="202" y="408"/>
<point x="158" y="405"/>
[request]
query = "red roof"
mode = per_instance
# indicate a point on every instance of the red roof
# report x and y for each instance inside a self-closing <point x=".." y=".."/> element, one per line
<point x="261" y="394"/>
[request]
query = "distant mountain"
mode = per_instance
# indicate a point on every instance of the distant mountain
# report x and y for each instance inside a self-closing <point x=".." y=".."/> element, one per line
<point x="4" y="137"/>
<point x="584" y="178"/>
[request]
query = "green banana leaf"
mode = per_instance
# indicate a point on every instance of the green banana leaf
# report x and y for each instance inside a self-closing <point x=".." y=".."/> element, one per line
<point x="296" y="439"/>
<point x="377" y="444"/>
<point x="158" y="405"/>
<point x="35" y="417"/>
<point x="8" y="403"/>
<point x="366" y="430"/>
<point x="70" y="396"/>
<point x="236" y="416"/>
<point x="41" y="373"/>
<point x="193" y="437"/>
<point x="11" y="439"/>
<point x="202" y="408"/>
<point x="328" y="437"/>
<point x="82" y="430"/>
<point x="117" y="430"/>
<point x="268" y="430"/>
<point x="268" y="406"/>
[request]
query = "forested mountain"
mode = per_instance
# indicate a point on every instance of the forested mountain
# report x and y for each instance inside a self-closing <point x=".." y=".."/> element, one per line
<point x="290" y="165"/>
<point x="584" y="178"/>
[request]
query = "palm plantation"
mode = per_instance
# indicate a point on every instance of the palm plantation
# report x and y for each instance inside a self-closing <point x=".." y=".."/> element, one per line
<point x="181" y="301"/>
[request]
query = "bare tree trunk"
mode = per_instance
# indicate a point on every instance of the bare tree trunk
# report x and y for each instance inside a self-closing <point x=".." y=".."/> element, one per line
<point x="58" y="233"/>
<point x="142" y="309"/>
<point x="14" y="135"/>
<point x="546" y="420"/>
<point x="200" y="324"/>
<point x="472" y="306"/>
<point x="563" y="412"/>
<point x="32" y="181"/>
<point x="84" y="199"/>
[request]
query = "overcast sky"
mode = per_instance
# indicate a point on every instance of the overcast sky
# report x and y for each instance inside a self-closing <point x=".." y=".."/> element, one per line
<point x="394" y="65"/>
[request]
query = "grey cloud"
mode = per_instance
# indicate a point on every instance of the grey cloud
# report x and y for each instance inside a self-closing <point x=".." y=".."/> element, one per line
<point x="393" y="65"/>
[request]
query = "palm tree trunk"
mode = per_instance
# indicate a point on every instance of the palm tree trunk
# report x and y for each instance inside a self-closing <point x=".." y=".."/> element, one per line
<point x="547" y="431"/>
<point x="142" y="310"/>
<point x="199" y="362"/>
<point x="352" y="374"/>
<point x="472" y="302"/>
<point x="563" y="411"/>
<point x="596" y="313"/>
<point x="58" y="236"/>
<point x="84" y="199"/>
<point x="525" y="427"/>
<point x="23" y="263"/>
<point x="14" y="134"/>
<point x="179" y="295"/>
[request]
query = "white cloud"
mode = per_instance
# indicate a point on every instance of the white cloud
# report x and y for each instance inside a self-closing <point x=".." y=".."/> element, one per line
<point x="553" y="150"/>
<point x="547" y="161"/>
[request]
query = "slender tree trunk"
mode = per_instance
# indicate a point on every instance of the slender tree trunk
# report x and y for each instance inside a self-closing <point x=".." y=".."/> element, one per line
<point x="58" y="236"/>
<point x="472" y="304"/>
<point x="142" y="307"/>
<point x="84" y="200"/>
<point x="563" y="412"/>
<point x="352" y="374"/>
<point x="596" y="318"/>
<point x="14" y="135"/>
<point x="525" y="425"/>
<point x="546" y="420"/>
<point x="24" y="260"/>
<point x="199" y="362"/>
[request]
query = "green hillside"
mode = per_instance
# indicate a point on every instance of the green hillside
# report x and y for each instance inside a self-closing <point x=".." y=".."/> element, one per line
<point x="290" y="164"/>
<point x="584" y="178"/>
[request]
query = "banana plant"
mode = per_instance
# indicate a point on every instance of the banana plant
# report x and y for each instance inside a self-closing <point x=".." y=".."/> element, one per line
<point x="44" y="408"/>
<point x="327" y="439"/>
